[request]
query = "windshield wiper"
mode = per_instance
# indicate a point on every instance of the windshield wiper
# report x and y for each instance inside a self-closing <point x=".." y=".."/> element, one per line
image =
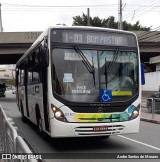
<point x="107" y="68"/>
<point x="85" y="61"/>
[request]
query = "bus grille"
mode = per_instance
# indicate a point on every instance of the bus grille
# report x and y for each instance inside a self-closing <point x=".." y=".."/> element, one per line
<point x="88" y="130"/>
<point x="95" y="109"/>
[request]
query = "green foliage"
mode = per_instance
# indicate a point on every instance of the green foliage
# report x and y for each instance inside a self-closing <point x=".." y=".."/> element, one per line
<point x="81" y="20"/>
<point x="107" y="23"/>
<point x="10" y="82"/>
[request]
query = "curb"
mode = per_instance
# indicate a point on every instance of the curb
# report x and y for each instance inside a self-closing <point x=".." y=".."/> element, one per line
<point x="150" y="120"/>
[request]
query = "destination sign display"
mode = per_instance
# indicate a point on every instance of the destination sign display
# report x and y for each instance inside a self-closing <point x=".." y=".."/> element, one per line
<point x="93" y="38"/>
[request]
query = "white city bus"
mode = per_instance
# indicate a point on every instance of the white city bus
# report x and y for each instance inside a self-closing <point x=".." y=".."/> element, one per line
<point x="81" y="81"/>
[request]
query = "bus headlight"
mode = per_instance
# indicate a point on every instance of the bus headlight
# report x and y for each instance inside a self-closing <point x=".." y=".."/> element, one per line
<point x="135" y="113"/>
<point x="58" y="114"/>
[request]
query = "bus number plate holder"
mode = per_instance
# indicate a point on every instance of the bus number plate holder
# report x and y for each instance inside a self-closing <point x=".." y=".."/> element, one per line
<point x="100" y="128"/>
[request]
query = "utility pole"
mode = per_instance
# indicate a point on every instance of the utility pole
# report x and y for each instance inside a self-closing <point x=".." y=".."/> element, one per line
<point x="1" y="28"/>
<point x="88" y="17"/>
<point x="120" y="23"/>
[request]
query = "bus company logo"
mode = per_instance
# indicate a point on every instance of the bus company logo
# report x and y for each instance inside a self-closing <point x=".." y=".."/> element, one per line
<point x="100" y="119"/>
<point x="100" y="109"/>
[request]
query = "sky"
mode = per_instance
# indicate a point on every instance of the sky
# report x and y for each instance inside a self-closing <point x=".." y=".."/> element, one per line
<point x="37" y="15"/>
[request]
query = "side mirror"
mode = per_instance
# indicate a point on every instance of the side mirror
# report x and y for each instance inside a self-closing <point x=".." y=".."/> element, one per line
<point x="142" y="75"/>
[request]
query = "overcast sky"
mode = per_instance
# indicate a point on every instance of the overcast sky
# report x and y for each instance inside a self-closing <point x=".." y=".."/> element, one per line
<point x="37" y="15"/>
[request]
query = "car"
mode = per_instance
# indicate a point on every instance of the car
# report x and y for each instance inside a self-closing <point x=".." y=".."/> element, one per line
<point x="2" y="89"/>
<point x="156" y="97"/>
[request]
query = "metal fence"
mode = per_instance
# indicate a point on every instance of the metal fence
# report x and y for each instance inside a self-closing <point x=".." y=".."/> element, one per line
<point x="152" y="111"/>
<point x="11" y="142"/>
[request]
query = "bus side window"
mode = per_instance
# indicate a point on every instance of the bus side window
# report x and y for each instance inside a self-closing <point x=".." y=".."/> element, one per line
<point x="21" y="77"/>
<point x="29" y="77"/>
<point x="34" y="68"/>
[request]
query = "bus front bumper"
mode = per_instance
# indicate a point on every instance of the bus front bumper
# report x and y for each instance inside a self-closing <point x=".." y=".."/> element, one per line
<point x="60" y="129"/>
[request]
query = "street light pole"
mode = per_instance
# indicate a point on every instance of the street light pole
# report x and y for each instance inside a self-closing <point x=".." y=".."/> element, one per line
<point x="1" y="27"/>
<point x="120" y="23"/>
<point x="88" y="17"/>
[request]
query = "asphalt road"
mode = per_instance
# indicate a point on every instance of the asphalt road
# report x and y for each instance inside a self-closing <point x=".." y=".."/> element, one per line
<point x="146" y="141"/>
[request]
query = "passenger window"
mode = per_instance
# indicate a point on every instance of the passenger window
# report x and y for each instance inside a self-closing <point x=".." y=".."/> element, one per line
<point x="22" y="77"/>
<point x="34" y="68"/>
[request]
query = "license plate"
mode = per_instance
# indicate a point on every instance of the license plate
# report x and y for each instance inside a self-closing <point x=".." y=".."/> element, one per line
<point x="100" y="128"/>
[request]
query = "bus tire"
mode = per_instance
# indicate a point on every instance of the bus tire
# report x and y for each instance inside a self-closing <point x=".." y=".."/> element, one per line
<point x="39" y="121"/>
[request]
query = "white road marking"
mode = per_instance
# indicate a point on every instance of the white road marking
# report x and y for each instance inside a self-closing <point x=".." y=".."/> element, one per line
<point x="145" y="144"/>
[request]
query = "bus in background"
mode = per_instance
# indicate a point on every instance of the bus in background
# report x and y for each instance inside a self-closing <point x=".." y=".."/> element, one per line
<point x="81" y="81"/>
<point x="2" y="89"/>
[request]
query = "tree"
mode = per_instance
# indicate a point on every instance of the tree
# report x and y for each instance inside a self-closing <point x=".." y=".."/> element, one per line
<point x="110" y="23"/>
<point x="10" y="82"/>
<point x="80" y="20"/>
<point x="96" y="21"/>
<point x="107" y="23"/>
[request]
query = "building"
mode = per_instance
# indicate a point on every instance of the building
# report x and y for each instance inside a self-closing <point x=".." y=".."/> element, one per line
<point x="7" y="72"/>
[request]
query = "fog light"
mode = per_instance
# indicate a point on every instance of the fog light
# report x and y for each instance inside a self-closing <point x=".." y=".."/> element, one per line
<point x="135" y="113"/>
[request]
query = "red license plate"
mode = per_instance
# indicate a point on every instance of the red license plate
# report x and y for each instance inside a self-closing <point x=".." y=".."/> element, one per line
<point x="100" y="128"/>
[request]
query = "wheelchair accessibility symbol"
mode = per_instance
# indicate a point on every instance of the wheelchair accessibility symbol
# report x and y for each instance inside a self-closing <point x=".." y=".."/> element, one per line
<point x="106" y="95"/>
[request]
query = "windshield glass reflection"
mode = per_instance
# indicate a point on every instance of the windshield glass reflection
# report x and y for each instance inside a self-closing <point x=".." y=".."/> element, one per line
<point x="115" y="70"/>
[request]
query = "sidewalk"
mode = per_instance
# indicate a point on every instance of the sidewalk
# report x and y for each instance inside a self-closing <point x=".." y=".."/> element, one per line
<point x="145" y="116"/>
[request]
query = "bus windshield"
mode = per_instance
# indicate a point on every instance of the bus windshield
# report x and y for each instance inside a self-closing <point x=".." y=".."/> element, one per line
<point x="115" y="75"/>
